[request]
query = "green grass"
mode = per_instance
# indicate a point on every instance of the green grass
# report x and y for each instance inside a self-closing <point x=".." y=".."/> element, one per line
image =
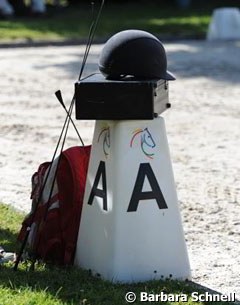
<point x="49" y="285"/>
<point x="10" y="222"/>
<point x="74" y="22"/>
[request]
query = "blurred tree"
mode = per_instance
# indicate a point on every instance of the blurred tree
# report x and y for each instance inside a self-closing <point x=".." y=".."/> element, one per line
<point x="19" y="7"/>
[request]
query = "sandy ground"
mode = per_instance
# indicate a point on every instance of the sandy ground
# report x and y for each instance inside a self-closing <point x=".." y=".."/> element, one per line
<point x="203" y="131"/>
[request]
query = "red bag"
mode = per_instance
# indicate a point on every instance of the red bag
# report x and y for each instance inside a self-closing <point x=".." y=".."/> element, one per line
<point x="55" y="217"/>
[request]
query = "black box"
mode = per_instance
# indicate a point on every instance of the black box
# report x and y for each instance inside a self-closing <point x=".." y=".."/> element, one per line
<point x="128" y="99"/>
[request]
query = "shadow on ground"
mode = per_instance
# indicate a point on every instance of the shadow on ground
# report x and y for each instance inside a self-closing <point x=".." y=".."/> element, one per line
<point x="216" y="61"/>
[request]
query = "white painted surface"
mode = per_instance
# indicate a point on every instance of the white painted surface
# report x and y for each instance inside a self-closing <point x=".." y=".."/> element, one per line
<point x="225" y="24"/>
<point x="139" y="245"/>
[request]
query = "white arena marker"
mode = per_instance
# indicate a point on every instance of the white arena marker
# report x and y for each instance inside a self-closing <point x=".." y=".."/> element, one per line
<point x="225" y="24"/>
<point x="130" y="226"/>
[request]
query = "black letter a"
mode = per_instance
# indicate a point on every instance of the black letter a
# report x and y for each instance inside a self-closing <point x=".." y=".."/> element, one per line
<point x="137" y="195"/>
<point x="101" y="172"/>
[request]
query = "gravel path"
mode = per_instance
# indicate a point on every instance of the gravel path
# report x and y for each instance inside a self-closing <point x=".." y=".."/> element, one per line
<point x="203" y="130"/>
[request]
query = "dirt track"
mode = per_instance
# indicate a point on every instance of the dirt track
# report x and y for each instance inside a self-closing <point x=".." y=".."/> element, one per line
<point x="203" y="130"/>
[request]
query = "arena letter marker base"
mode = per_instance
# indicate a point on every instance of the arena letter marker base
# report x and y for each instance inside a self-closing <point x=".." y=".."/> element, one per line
<point x="131" y="227"/>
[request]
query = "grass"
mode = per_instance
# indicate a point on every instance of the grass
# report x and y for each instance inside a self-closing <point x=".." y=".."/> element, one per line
<point x="73" y="22"/>
<point x="10" y="222"/>
<point x="161" y="18"/>
<point x="49" y="285"/>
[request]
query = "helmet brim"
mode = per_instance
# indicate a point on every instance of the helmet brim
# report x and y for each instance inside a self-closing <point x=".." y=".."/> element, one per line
<point x="169" y="76"/>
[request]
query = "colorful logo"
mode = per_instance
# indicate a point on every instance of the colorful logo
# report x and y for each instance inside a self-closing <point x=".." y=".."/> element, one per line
<point x="105" y="135"/>
<point x="146" y="141"/>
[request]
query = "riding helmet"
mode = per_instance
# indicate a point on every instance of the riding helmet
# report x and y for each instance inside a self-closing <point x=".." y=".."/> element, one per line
<point x="134" y="53"/>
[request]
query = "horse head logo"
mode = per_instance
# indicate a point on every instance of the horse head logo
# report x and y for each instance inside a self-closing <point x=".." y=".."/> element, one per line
<point x="146" y="141"/>
<point x="105" y="135"/>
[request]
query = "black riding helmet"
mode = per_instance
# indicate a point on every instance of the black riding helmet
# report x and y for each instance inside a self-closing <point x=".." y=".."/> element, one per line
<point x="136" y="53"/>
